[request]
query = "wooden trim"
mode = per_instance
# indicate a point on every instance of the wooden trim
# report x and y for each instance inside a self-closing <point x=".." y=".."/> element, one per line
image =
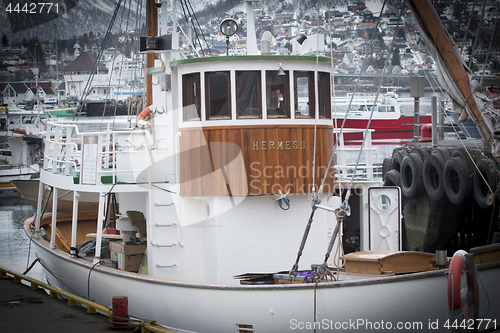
<point x="253" y="160"/>
<point x="151" y="30"/>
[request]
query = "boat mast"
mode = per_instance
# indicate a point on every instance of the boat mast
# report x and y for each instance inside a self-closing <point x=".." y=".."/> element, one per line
<point x="151" y="31"/>
<point x="251" y="36"/>
<point x="425" y="13"/>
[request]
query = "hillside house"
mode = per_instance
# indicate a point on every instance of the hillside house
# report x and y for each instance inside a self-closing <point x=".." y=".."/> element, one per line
<point x="14" y="93"/>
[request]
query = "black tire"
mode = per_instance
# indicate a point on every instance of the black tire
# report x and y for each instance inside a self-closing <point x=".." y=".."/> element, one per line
<point x="421" y="151"/>
<point x="411" y="176"/>
<point x="392" y="178"/>
<point x="464" y="154"/>
<point x="397" y="158"/>
<point x="444" y="152"/>
<point x="432" y="174"/>
<point x="386" y="165"/>
<point x="457" y="184"/>
<point x="488" y="170"/>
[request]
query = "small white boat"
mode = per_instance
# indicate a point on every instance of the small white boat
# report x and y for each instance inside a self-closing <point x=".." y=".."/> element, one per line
<point x="20" y="158"/>
<point x="232" y="194"/>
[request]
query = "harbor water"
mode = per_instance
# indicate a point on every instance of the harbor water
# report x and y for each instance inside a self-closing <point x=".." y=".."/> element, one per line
<point x="15" y="251"/>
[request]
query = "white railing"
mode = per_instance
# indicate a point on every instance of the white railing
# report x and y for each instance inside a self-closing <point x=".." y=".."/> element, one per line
<point x="347" y="156"/>
<point x="123" y="156"/>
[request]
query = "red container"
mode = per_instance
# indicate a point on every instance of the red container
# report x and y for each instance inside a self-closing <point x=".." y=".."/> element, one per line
<point x="119" y="312"/>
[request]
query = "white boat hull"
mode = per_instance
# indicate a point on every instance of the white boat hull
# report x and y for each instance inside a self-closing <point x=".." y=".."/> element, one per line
<point x="416" y="300"/>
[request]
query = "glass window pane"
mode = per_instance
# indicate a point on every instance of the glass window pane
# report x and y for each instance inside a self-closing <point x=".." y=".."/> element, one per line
<point x="277" y="99"/>
<point x="248" y="94"/>
<point x="191" y="96"/>
<point x="304" y="94"/>
<point x="217" y="95"/>
<point x="325" y="99"/>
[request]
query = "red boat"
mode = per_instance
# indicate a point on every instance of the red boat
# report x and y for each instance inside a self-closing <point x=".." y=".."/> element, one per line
<point x="388" y="123"/>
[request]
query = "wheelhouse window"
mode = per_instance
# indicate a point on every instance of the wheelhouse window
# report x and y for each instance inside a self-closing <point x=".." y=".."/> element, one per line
<point x="248" y="94"/>
<point x="324" y="96"/>
<point x="217" y="95"/>
<point x="191" y="97"/>
<point x="304" y="94"/>
<point x="277" y="95"/>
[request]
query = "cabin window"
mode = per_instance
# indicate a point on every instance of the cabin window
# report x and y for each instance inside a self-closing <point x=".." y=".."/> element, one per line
<point x="191" y="96"/>
<point x="324" y="96"/>
<point x="361" y="107"/>
<point x="217" y="95"/>
<point x="248" y="94"/>
<point x="304" y="94"/>
<point x="277" y="95"/>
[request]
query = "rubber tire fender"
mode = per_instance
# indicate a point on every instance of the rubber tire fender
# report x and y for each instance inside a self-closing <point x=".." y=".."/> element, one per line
<point x="466" y="155"/>
<point x="488" y="169"/>
<point x="444" y="152"/>
<point x="457" y="184"/>
<point x="386" y="165"/>
<point x="392" y="178"/>
<point x="432" y="174"/>
<point x="421" y="151"/>
<point x="397" y="159"/>
<point x="411" y="176"/>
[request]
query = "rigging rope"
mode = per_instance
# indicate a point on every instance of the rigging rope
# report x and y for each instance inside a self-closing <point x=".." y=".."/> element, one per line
<point x="199" y="27"/>
<point x="347" y="112"/>
<point x="439" y="64"/>
<point x="89" y="82"/>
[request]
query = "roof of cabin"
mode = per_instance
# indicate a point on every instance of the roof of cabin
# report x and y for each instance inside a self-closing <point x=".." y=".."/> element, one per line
<point x="248" y="58"/>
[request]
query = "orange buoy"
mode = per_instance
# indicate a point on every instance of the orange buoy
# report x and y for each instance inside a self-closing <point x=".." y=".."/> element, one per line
<point x="141" y="118"/>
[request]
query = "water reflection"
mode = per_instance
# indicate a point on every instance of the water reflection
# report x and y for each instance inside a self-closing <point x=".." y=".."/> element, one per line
<point x="14" y="242"/>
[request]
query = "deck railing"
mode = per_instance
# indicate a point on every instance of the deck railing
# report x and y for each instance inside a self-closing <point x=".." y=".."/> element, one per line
<point x="347" y="156"/>
<point x="108" y="156"/>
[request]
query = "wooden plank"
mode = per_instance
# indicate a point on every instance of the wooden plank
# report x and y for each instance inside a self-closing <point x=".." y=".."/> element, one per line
<point x="273" y="158"/>
<point x="382" y="262"/>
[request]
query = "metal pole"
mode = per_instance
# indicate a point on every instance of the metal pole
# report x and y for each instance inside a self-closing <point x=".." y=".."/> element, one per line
<point x="38" y="209"/>
<point x="416" y="112"/>
<point x="434" y="121"/>
<point x="55" y="194"/>
<point x="441" y="120"/>
<point x="74" y="219"/>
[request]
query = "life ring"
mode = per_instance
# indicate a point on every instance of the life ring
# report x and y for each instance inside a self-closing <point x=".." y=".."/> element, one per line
<point x="458" y="296"/>
<point x="432" y="175"/>
<point x="411" y="176"/>
<point x="487" y="169"/>
<point x="141" y="118"/>
<point x="456" y="180"/>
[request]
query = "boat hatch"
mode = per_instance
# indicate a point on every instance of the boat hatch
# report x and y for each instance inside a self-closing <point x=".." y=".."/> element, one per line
<point x="384" y="218"/>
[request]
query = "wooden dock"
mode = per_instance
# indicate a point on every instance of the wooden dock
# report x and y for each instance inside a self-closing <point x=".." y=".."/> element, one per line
<point x="29" y="305"/>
